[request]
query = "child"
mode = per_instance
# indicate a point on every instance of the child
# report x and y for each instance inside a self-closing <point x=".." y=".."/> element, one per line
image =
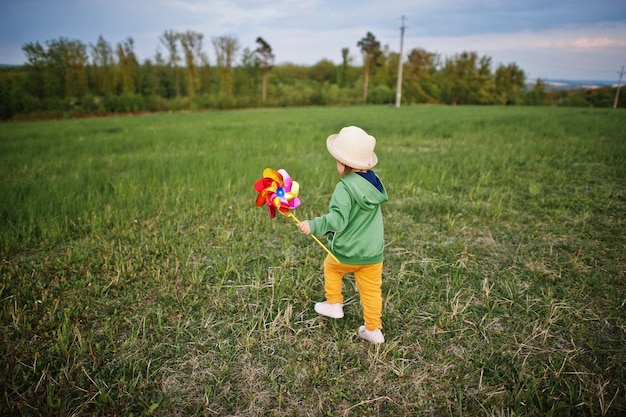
<point x="354" y="225"/>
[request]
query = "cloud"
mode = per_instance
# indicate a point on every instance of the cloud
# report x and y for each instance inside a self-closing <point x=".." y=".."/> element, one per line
<point x="586" y="43"/>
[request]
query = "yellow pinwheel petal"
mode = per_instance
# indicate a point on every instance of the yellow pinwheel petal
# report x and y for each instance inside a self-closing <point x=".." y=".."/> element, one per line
<point x="295" y="189"/>
<point x="272" y="174"/>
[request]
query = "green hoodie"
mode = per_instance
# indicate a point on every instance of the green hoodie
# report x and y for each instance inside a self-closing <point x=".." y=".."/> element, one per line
<point x="354" y="223"/>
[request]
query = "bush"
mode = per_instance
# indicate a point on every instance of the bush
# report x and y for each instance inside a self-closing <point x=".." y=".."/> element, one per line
<point x="154" y="103"/>
<point x="381" y="94"/>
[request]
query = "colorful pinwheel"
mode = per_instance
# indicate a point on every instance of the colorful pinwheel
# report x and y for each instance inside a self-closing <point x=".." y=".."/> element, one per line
<point x="280" y="192"/>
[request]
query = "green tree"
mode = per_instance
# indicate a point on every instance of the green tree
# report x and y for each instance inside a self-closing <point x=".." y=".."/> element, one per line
<point x="370" y="49"/>
<point x="510" y="81"/>
<point x="384" y="68"/>
<point x="265" y="61"/>
<point x="323" y="72"/>
<point x="537" y="95"/>
<point x="57" y="71"/>
<point x="148" y="79"/>
<point x="419" y="84"/>
<point x="466" y="79"/>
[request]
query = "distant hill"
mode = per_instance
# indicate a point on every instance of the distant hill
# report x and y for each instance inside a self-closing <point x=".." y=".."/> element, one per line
<point x="558" y="84"/>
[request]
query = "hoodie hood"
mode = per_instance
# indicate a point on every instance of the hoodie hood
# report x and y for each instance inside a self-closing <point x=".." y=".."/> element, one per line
<point x="365" y="194"/>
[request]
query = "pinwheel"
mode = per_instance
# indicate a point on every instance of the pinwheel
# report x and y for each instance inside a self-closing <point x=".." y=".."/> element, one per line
<point x="280" y="193"/>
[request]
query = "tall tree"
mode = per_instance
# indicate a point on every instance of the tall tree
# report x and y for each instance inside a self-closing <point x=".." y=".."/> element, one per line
<point x="192" y="48"/>
<point x="103" y="61"/>
<point x="342" y="75"/>
<point x="481" y="84"/>
<point x="370" y="48"/>
<point x="247" y="77"/>
<point x="127" y="61"/>
<point x="76" y="59"/>
<point x="265" y="61"/>
<point x="170" y="40"/>
<point x="226" y="48"/>
<point x="36" y="66"/>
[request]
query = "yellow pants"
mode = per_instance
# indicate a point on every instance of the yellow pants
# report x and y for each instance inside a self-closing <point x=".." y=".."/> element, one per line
<point x="369" y="280"/>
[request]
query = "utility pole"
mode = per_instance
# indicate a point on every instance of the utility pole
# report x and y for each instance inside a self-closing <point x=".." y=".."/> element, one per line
<point x="399" y="86"/>
<point x="619" y="84"/>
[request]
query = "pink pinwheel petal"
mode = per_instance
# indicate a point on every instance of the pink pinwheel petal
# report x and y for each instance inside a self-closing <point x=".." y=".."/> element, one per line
<point x="287" y="181"/>
<point x="283" y="174"/>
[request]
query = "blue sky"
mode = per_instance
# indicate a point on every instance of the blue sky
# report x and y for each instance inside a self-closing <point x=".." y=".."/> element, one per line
<point x="568" y="39"/>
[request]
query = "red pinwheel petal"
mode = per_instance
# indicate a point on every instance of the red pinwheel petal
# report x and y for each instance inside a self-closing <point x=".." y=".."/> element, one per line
<point x="272" y="210"/>
<point x="264" y="183"/>
<point x="259" y="185"/>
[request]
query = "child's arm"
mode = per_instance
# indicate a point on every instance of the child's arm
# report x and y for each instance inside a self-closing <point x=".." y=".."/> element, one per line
<point x="336" y="219"/>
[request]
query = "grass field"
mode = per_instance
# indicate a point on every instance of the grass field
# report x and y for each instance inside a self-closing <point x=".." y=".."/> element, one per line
<point x="138" y="278"/>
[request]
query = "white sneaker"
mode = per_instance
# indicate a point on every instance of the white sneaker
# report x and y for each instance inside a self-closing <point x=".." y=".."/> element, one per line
<point x="373" y="336"/>
<point x="330" y="310"/>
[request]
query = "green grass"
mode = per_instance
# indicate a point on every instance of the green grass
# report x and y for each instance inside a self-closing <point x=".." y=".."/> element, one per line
<point x="138" y="278"/>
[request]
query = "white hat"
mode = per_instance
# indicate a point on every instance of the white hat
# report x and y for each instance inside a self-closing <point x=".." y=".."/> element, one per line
<point x="353" y="147"/>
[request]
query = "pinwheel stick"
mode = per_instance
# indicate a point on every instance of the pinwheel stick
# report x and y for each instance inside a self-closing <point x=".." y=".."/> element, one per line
<point x="314" y="237"/>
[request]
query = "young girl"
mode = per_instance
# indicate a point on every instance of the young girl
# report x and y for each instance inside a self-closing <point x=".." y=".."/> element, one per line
<point x="354" y="225"/>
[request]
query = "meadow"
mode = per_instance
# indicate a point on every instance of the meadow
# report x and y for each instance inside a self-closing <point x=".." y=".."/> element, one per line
<point x="138" y="278"/>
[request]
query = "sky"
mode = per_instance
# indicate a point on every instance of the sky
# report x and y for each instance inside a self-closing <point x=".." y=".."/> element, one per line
<point x="548" y="39"/>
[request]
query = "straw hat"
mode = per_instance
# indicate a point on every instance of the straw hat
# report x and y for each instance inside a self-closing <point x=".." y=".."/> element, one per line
<point x="353" y="147"/>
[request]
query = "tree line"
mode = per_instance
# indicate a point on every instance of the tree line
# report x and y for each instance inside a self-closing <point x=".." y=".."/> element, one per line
<point x="65" y="77"/>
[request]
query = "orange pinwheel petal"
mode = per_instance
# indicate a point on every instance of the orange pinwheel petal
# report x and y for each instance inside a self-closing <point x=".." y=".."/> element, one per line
<point x="261" y="199"/>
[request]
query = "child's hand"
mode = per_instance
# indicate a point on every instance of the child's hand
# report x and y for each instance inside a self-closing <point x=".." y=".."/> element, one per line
<point x="304" y="227"/>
